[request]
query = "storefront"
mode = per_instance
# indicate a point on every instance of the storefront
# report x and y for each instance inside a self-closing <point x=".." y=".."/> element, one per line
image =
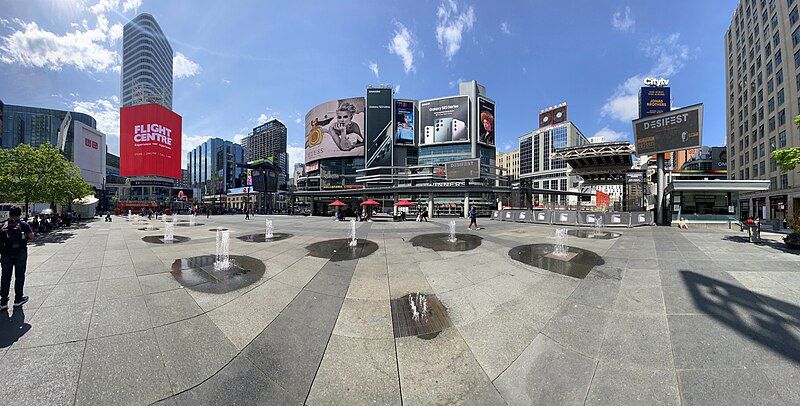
<point x="710" y="202"/>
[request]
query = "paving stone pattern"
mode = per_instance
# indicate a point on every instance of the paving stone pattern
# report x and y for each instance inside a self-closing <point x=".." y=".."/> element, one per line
<point x="668" y="318"/>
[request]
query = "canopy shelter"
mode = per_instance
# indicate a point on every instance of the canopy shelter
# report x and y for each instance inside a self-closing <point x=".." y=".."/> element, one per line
<point x="370" y="202"/>
<point x="598" y="164"/>
<point x="404" y="203"/>
<point x="338" y="203"/>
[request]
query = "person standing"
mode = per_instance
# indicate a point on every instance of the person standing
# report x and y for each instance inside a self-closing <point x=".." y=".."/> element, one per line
<point x="473" y="218"/>
<point x="424" y="216"/>
<point x="14" y="237"/>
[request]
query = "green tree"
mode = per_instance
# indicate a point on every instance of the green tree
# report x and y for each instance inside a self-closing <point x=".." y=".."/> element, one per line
<point x="788" y="158"/>
<point x="40" y="174"/>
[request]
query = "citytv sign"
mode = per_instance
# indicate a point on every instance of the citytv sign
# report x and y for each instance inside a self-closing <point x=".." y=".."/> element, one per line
<point x="656" y="82"/>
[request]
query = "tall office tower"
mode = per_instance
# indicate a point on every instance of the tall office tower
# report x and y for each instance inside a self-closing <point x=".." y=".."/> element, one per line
<point x="762" y="83"/>
<point x="212" y="166"/>
<point x="268" y="140"/>
<point x="146" y="63"/>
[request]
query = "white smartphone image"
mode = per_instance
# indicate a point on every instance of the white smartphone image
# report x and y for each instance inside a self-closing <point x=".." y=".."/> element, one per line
<point x="428" y="135"/>
<point x="459" y="130"/>
<point x="443" y="130"/>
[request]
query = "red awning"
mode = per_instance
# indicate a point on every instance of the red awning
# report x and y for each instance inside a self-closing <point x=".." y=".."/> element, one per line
<point x="370" y="202"/>
<point x="404" y="203"/>
<point x="338" y="203"/>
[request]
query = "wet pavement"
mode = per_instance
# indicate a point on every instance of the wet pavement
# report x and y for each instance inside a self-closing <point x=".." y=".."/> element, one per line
<point x="198" y="273"/>
<point x="262" y="237"/>
<point x="598" y="235"/>
<point x="159" y="239"/>
<point x="668" y="317"/>
<point x="441" y="242"/>
<point x="577" y="263"/>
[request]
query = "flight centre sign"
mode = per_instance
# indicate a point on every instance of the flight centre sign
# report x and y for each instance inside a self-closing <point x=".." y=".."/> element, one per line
<point x="671" y="131"/>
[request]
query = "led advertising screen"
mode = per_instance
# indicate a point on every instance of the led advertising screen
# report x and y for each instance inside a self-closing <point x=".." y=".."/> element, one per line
<point x="485" y="121"/>
<point x="334" y="129"/>
<point x="150" y="141"/>
<point x="444" y="120"/>
<point x="404" y="122"/>
<point x="379" y="128"/>
<point x="553" y="116"/>
<point x="89" y="153"/>
<point x="653" y="100"/>
<point x="719" y="158"/>
<point x="672" y="131"/>
<point x="466" y="169"/>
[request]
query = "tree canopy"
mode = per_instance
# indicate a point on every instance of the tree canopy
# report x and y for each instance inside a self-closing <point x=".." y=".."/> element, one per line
<point x="40" y="174"/>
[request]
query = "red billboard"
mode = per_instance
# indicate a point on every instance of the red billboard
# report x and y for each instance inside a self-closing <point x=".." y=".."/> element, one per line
<point x="150" y="141"/>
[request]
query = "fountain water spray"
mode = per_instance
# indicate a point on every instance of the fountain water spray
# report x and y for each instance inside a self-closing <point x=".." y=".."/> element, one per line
<point x="418" y="306"/>
<point x="169" y="231"/>
<point x="560" y="247"/>
<point x="353" y="239"/>
<point x="414" y="312"/>
<point x="598" y="227"/>
<point x="268" y="235"/>
<point x="222" y="261"/>
<point x="452" y="237"/>
<point x="192" y="218"/>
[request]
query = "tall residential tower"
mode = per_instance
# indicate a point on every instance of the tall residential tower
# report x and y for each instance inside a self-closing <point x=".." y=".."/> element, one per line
<point x="146" y="63"/>
<point x="762" y="61"/>
<point x="268" y="141"/>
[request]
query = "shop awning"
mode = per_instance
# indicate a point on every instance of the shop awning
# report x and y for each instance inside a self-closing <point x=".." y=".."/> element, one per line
<point x="717" y="186"/>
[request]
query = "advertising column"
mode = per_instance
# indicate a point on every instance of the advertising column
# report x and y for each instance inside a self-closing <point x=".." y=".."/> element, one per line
<point x="379" y="128"/>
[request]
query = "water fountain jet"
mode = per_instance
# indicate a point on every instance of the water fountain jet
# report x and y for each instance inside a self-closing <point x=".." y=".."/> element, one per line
<point x="452" y="237"/>
<point x="268" y="235"/>
<point x="222" y="261"/>
<point x="353" y="239"/>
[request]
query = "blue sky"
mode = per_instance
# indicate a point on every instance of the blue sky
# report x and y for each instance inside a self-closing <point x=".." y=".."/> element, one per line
<point x="239" y="63"/>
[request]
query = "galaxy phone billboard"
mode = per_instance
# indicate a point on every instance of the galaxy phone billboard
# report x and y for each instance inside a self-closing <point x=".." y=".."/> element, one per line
<point x="150" y="141"/>
<point x="444" y="120"/>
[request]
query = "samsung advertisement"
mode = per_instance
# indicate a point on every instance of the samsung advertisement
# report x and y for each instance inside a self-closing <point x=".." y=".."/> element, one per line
<point x="334" y="129"/>
<point x="404" y="122"/>
<point x="485" y="121"/>
<point x="673" y="131"/>
<point x="444" y="120"/>
<point x="379" y="127"/>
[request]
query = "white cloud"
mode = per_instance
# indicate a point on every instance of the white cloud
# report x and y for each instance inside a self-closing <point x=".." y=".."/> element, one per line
<point x="611" y="135"/>
<point x="226" y="81"/>
<point x="670" y="57"/>
<point x="85" y="49"/>
<point x="105" y="111"/>
<point x="190" y="142"/>
<point x="109" y="5"/>
<point x="297" y="154"/>
<point x="403" y="45"/>
<point x="454" y="83"/>
<point x="504" y="28"/>
<point x="451" y="26"/>
<point x="239" y="137"/>
<point x="115" y="33"/>
<point x="373" y="66"/>
<point x="183" y="67"/>
<point x="396" y="89"/>
<point x="623" y="21"/>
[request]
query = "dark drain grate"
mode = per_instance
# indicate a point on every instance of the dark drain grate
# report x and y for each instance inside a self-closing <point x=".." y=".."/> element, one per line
<point x="427" y="325"/>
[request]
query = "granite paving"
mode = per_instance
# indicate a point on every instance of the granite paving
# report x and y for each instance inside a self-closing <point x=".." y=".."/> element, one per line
<point x="670" y="317"/>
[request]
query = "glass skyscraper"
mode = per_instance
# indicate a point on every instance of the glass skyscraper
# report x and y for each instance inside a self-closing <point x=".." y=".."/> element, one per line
<point x="146" y="63"/>
<point x="36" y="126"/>
<point x="212" y="166"/>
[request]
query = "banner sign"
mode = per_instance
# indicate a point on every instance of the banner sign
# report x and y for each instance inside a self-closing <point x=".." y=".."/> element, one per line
<point x="672" y="131"/>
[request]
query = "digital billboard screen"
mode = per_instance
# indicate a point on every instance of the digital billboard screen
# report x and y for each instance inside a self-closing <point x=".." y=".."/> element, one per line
<point x="150" y="141"/>
<point x="672" y="131"/>
<point x="404" y="122"/>
<point x="485" y="121"/>
<point x="553" y="116"/>
<point x="466" y="169"/>
<point x="719" y="158"/>
<point x="334" y="129"/>
<point x="89" y="153"/>
<point x="653" y="101"/>
<point x="444" y="120"/>
<point x="379" y="127"/>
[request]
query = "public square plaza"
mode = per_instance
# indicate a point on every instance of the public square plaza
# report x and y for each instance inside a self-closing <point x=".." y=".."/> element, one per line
<point x="664" y="316"/>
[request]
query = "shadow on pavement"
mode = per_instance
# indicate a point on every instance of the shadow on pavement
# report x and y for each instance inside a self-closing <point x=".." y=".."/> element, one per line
<point x="762" y="319"/>
<point x="763" y="243"/>
<point x="12" y="327"/>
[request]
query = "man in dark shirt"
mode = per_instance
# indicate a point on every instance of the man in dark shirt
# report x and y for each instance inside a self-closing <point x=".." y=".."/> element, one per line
<point x="14" y="236"/>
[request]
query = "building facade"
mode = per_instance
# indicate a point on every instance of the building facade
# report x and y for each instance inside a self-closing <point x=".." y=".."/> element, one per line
<point x="762" y="88"/>
<point x="213" y="169"/>
<point x="268" y="141"/>
<point x="540" y="170"/>
<point x="146" y="63"/>
<point x="508" y="164"/>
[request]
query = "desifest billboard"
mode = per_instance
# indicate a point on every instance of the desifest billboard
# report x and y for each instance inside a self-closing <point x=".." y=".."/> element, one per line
<point x="334" y="129"/>
<point x="150" y="141"/>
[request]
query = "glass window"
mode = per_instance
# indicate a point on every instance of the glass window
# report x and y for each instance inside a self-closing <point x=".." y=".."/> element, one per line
<point x="769" y="67"/>
<point x="771" y="105"/>
<point x="782" y="117"/>
<point x="771" y="124"/>
<point x="776" y="39"/>
<point x="779" y="77"/>
<point x="770" y="86"/>
<point x="761" y="150"/>
<point x="785" y="181"/>
<point x="793" y="17"/>
<point x="762" y="168"/>
<point x="782" y="139"/>
<point x="778" y="58"/>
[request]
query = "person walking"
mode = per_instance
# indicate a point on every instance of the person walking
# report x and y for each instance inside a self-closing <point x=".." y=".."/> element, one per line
<point x="424" y="216"/>
<point x="14" y="237"/>
<point x="247" y="213"/>
<point x="473" y="218"/>
<point x="108" y="216"/>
